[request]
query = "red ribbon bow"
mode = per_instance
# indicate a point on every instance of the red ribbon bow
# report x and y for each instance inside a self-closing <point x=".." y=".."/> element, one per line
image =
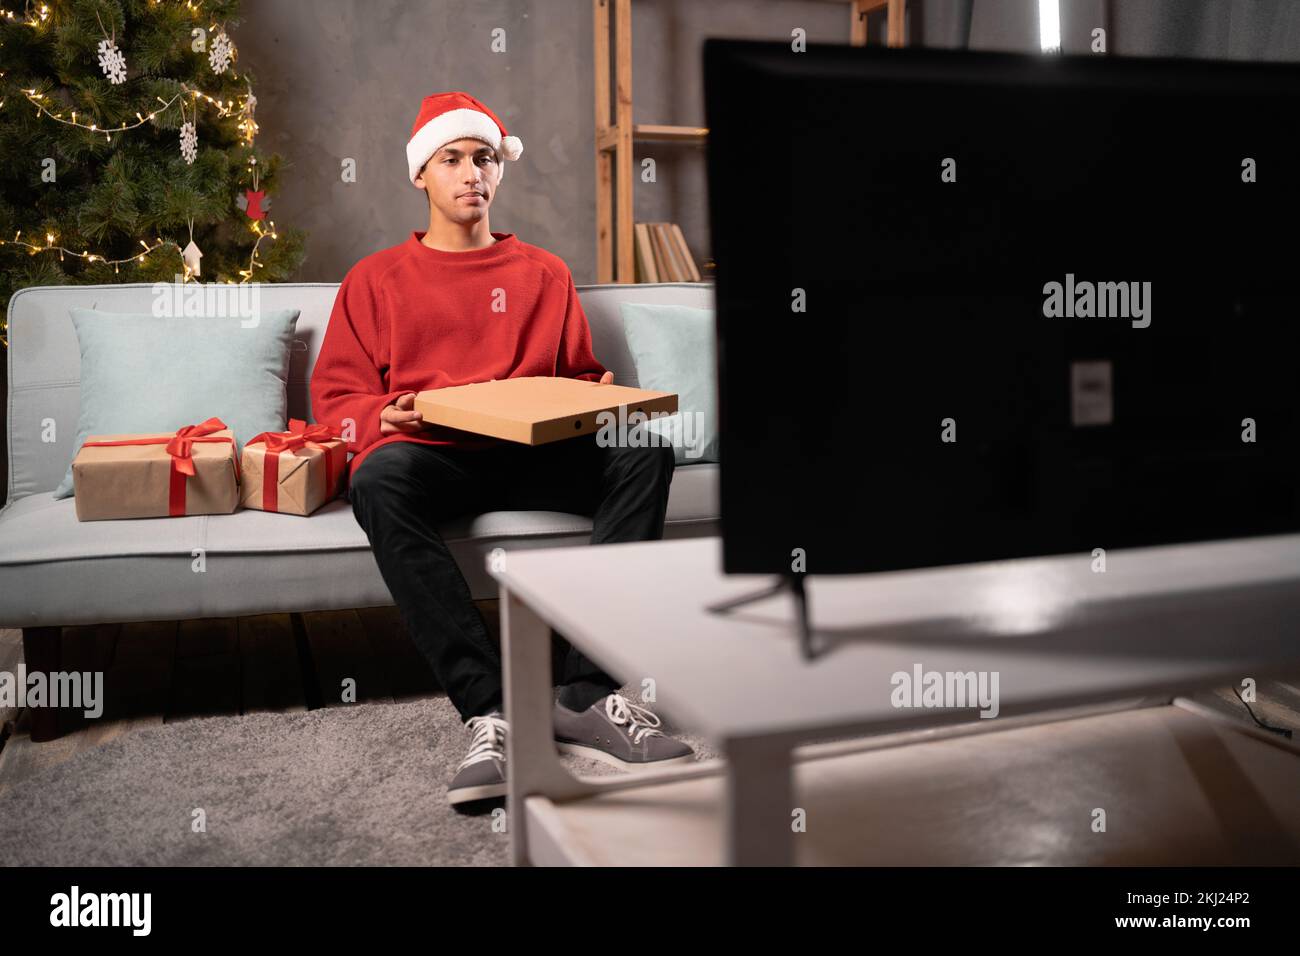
<point x="299" y="435"/>
<point x="180" y="446"/>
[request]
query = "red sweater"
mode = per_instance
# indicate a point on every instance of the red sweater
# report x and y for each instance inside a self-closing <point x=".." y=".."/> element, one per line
<point x="410" y="318"/>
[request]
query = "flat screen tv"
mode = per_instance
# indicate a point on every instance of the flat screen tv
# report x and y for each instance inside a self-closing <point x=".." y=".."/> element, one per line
<point x="975" y="306"/>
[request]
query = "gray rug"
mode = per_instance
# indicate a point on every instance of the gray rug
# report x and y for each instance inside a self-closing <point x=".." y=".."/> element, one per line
<point x="360" y="785"/>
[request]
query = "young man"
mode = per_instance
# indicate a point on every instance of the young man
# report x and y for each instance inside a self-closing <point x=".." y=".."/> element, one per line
<point x="456" y="304"/>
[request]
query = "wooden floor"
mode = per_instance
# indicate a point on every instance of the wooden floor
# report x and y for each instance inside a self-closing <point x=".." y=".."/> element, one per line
<point x="166" y="671"/>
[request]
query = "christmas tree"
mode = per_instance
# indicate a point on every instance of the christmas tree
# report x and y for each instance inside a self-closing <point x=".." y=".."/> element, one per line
<point x="127" y="149"/>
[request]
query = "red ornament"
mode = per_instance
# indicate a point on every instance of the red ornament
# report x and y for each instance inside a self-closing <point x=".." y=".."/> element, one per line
<point x="254" y="207"/>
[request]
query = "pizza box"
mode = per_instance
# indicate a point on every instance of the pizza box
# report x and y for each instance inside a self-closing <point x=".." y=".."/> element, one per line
<point x="535" y="410"/>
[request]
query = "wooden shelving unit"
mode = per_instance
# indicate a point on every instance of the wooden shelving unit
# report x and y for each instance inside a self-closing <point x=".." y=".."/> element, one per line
<point x="615" y="131"/>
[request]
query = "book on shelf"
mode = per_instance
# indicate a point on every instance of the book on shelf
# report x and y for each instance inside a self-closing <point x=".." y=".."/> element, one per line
<point x="662" y="254"/>
<point x="692" y="273"/>
<point x="646" y="269"/>
<point x="663" y="259"/>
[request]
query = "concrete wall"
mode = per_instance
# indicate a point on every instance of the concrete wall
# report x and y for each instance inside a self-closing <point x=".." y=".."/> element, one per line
<point x="345" y="79"/>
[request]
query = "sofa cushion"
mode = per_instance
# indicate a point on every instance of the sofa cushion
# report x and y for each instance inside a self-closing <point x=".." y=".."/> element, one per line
<point x="673" y="349"/>
<point x="148" y="373"/>
<point x="255" y="562"/>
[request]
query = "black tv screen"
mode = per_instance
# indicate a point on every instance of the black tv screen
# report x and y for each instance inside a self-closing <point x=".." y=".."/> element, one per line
<point x="977" y="306"/>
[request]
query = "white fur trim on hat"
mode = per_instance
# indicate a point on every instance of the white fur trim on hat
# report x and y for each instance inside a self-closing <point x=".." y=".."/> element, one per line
<point x="451" y="126"/>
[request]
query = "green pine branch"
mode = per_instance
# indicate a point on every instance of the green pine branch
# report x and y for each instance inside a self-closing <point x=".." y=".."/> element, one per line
<point x="104" y="192"/>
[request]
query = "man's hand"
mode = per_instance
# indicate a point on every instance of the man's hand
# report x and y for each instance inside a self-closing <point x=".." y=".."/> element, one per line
<point x="607" y="378"/>
<point x="401" y="416"/>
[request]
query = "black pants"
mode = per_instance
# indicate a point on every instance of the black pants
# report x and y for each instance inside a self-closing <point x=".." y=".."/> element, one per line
<point x="403" y="491"/>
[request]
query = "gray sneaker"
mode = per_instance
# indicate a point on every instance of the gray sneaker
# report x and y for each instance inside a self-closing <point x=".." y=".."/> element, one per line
<point x="618" y="733"/>
<point x="482" y="774"/>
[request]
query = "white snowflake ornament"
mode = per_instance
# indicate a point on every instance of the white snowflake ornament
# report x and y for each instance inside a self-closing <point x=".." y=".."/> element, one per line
<point x="112" y="61"/>
<point x="189" y="142"/>
<point x="220" y="55"/>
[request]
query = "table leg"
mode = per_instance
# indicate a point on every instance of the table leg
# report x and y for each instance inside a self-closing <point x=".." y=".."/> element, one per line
<point x="760" y="803"/>
<point x="532" y="763"/>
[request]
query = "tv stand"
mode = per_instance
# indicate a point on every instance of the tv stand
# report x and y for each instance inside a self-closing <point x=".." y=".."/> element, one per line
<point x="795" y="583"/>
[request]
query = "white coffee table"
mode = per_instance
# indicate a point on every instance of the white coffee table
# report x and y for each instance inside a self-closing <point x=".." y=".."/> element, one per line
<point x="1066" y="643"/>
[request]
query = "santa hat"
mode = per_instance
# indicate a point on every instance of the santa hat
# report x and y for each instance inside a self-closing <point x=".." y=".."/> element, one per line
<point x="447" y="117"/>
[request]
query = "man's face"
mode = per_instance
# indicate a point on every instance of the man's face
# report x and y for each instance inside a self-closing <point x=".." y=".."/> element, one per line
<point x="461" y="179"/>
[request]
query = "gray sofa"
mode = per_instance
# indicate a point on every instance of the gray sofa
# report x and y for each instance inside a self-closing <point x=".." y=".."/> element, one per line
<point x="56" y="571"/>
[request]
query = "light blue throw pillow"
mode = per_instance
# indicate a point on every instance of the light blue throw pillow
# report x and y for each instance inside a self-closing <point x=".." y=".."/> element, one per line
<point x="147" y="373"/>
<point x="673" y="350"/>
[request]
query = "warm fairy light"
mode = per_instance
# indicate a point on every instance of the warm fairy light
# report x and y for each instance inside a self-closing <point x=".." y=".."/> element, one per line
<point x="223" y="109"/>
<point x="87" y="254"/>
<point x="247" y="274"/>
<point x="261" y="234"/>
<point x="33" y="19"/>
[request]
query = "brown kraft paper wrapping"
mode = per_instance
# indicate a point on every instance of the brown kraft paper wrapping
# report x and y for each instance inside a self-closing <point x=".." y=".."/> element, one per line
<point x="306" y="477"/>
<point x="137" y="481"/>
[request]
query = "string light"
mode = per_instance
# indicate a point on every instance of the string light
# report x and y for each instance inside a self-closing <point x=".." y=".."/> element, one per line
<point x="32" y="19"/>
<point x="261" y="234"/>
<point x="89" y="256"/>
<point x="192" y="7"/>
<point x="248" y="126"/>
<point x="224" y="109"/>
<point x="246" y="274"/>
<point x="43" y="13"/>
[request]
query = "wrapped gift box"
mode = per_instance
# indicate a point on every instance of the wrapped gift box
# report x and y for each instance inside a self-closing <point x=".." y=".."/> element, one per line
<point x="192" y="471"/>
<point x="295" y="471"/>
